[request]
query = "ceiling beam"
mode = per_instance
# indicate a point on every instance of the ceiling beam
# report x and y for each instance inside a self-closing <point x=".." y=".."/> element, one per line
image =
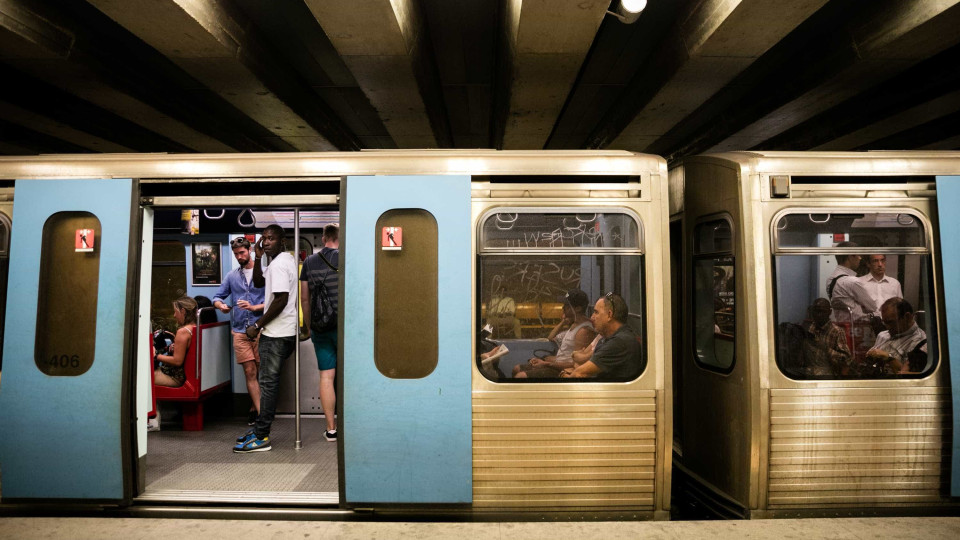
<point x="218" y="46"/>
<point x="385" y="46"/>
<point x="710" y="47"/>
<point x="548" y="41"/>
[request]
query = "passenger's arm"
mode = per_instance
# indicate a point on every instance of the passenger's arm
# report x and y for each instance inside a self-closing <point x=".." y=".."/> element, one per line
<point x="584" y="370"/>
<point x="222" y="293"/>
<point x="560" y="327"/>
<point x="258" y="280"/>
<point x="305" y="306"/>
<point x="181" y="344"/>
<point x="581" y="341"/>
<point x="585" y="353"/>
<point x="280" y="300"/>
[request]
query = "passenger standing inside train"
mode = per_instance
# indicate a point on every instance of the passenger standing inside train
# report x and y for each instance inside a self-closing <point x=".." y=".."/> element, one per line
<point x="880" y="286"/>
<point x="248" y="299"/>
<point x="277" y="329"/>
<point x="319" y="286"/>
<point x="617" y="353"/>
<point x="572" y="333"/>
<point x="902" y="347"/>
<point x="849" y="297"/>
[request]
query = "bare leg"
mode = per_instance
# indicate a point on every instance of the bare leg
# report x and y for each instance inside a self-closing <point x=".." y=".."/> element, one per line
<point x="251" y="371"/>
<point x="162" y="379"/>
<point x="328" y="397"/>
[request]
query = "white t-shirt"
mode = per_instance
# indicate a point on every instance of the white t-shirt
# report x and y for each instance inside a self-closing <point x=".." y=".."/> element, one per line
<point x="281" y="276"/>
<point x="247" y="274"/>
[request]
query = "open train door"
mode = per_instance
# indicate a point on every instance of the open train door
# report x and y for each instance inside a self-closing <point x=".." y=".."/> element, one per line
<point x="405" y="351"/>
<point x="948" y="200"/>
<point x="65" y="395"/>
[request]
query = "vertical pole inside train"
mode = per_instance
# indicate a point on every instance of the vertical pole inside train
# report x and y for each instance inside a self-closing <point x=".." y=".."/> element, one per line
<point x="296" y="350"/>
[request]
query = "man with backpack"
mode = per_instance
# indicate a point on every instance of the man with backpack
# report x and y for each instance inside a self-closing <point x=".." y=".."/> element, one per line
<point x="319" y="287"/>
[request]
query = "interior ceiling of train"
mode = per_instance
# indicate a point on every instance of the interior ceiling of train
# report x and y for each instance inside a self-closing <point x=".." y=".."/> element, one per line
<point x="687" y="77"/>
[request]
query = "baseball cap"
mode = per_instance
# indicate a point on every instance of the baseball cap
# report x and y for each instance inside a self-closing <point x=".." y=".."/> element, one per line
<point x="576" y="298"/>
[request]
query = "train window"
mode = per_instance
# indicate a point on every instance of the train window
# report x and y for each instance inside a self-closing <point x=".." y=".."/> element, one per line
<point x="67" y="300"/>
<point x="530" y="261"/>
<point x="853" y="296"/>
<point x="526" y="229"/>
<point x="406" y="326"/>
<point x="714" y="302"/>
<point x="168" y="281"/>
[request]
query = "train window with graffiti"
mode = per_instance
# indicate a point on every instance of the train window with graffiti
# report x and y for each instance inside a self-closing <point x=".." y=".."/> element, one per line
<point x="67" y="296"/>
<point x="714" y="299"/>
<point x="854" y="296"/>
<point x="541" y="273"/>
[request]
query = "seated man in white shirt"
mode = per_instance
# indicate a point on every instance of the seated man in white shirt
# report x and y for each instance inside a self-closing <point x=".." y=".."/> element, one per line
<point x="880" y="286"/>
<point x="902" y="347"/>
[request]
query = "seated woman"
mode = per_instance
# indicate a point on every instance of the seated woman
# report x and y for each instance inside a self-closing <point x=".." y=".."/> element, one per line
<point x="170" y="372"/>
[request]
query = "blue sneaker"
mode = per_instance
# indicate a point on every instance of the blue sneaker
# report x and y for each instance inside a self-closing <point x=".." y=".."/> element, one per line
<point x="254" y="445"/>
<point x="247" y="435"/>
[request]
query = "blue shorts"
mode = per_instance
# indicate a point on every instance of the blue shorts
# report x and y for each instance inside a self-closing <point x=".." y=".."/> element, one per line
<point x="325" y="345"/>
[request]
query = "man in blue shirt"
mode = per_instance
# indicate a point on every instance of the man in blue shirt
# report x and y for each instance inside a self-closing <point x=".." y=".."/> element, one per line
<point x="249" y="304"/>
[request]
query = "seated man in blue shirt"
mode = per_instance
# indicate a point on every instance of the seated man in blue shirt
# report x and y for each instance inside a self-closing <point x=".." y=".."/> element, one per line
<point x="249" y="303"/>
<point x="616" y="355"/>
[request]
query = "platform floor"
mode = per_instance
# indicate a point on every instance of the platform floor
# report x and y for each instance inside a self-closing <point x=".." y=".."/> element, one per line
<point x="945" y="528"/>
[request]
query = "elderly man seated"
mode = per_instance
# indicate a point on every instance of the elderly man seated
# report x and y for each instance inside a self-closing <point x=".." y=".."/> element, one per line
<point x="902" y="347"/>
<point x="616" y="354"/>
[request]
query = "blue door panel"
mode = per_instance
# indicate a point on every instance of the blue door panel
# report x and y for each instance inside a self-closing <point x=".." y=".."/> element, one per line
<point x="948" y="200"/>
<point x="407" y="440"/>
<point x="62" y="435"/>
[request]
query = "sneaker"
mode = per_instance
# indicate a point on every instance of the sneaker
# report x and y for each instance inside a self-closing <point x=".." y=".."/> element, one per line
<point x="330" y="435"/>
<point x="252" y="418"/>
<point x="247" y="435"/>
<point x="253" y="445"/>
<point x="153" y="424"/>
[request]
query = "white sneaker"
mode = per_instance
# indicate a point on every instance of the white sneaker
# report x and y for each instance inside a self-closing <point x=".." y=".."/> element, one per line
<point x="153" y="424"/>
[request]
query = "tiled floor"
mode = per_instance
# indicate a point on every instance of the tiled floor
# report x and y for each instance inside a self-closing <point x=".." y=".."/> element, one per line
<point x="204" y="460"/>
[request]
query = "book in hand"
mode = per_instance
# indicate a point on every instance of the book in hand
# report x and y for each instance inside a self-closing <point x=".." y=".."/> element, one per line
<point x="495" y="355"/>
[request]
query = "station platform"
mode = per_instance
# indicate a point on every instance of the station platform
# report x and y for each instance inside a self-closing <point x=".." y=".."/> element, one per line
<point x="926" y="528"/>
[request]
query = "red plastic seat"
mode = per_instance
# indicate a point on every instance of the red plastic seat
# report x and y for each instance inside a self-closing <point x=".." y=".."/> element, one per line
<point x="189" y="394"/>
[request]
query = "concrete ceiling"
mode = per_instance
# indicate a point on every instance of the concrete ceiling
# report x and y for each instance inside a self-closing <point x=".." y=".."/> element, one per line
<point x="689" y="76"/>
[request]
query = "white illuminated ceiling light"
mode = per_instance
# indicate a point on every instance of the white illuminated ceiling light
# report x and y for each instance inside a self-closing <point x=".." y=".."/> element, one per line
<point x="628" y="11"/>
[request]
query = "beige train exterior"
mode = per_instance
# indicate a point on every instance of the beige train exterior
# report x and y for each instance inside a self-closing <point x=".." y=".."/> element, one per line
<point x="761" y="444"/>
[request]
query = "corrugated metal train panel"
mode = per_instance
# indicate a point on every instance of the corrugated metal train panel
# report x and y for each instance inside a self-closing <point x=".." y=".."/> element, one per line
<point x="564" y="449"/>
<point x="858" y="446"/>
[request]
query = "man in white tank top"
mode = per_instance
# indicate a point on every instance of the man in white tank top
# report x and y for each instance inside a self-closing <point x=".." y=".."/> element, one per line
<point x="572" y="333"/>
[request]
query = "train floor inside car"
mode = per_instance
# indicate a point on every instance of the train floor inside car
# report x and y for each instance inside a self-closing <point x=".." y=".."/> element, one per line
<point x="200" y="465"/>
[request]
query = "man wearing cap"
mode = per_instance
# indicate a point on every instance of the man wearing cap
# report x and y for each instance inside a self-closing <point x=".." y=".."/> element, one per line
<point x="617" y="354"/>
<point x="572" y="333"/>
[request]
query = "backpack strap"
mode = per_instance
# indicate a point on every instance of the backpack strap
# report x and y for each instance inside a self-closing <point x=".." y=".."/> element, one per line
<point x="832" y="284"/>
<point x="324" y="259"/>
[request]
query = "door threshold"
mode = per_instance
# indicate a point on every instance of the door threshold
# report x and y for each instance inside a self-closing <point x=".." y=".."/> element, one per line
<point x="247" y="497"/>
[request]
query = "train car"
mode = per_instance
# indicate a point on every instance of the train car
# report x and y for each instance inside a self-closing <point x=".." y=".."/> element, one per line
<point x="455" y="269"/>
<point x="815" y="291"/>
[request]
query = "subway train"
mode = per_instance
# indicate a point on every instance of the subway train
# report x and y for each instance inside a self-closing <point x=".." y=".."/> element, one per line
<point x="787" y="268"/>
<point x="485" y="249"/>
<point x="724" y="263"/>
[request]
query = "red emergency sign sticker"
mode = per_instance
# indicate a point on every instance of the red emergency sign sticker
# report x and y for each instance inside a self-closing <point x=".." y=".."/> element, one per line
<point x="84" y="243"/>
<point x="391" y="238"/>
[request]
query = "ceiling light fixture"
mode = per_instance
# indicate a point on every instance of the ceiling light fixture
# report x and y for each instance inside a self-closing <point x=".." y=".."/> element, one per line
<point x="628" y="11"/>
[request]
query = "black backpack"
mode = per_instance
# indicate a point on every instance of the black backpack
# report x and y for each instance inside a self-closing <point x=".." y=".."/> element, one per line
<point x="322" y="315"/>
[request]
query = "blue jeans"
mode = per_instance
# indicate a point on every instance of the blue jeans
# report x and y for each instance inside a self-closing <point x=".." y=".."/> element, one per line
<point x="273" y="351"/>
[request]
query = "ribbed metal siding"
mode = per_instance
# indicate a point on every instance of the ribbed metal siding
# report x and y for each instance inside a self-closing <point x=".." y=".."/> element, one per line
<point x="564" y="449"/>
<point x="858" y="446"/>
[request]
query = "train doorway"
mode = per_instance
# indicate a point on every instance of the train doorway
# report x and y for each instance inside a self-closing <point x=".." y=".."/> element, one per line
<point x="188" y="251"/>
